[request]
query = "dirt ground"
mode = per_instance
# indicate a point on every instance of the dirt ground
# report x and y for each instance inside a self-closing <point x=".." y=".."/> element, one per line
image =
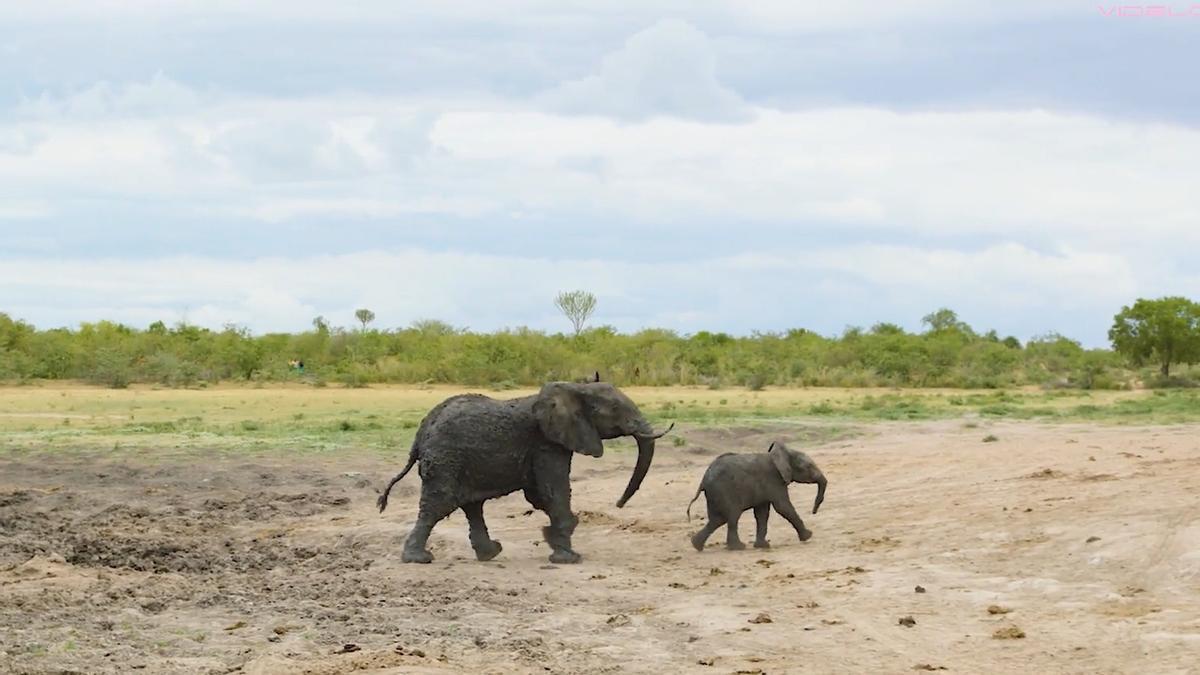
<point x="1085" y="540"/>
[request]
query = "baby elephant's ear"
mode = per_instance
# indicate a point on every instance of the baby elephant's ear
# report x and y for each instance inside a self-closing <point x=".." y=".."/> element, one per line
<point x="779" y="455"/>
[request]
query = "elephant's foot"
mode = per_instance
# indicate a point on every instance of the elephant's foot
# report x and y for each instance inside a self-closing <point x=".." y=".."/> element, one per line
<point x="698" y="542"/>
<point x="735" y="546"/>
<point x="762" y="544"/>
<point x="565" y="557"/>
<point x="486" y="553"/>
<point x="423" y="557"/>
<point x="805" y="535"/>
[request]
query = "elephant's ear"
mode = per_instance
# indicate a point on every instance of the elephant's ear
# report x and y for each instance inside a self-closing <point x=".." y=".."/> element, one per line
<point x="779" y="455"/>
<point x="561" y="416"/>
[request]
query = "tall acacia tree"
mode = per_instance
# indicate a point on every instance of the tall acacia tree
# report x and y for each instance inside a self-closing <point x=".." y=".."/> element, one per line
<point x="364" y="316"/>
<point x="1165" y="331"/>
<point x="577" y="306"/>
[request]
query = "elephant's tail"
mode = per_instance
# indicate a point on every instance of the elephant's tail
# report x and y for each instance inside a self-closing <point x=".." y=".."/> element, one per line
<point x="689" y="510"/>
<point x="383" y="498"/>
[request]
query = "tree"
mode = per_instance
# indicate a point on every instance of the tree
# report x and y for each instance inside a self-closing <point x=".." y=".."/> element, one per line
<point x="945" y="320"/>
<point x="577" y="306"/>
<point x="320" y="324"/>
<point x="434" y="327"/>
<point x="364" y="316"/>
<point x="1165" y="331"/>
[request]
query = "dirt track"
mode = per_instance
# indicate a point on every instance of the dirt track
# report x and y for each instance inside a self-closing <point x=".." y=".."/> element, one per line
<point x="1089" y="536"/>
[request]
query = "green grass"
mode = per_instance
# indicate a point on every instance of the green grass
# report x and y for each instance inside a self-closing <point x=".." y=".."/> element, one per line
<point x="384" y="418"/>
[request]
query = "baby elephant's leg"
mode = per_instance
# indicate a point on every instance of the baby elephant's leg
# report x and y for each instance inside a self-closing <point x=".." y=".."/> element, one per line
<point x="784" y="508"/>
<point x="715" y="520"/>
<point x="732" y="542"/>
<point x="761" y="513"/>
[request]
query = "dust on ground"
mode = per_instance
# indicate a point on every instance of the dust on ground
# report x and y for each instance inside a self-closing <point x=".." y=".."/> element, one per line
<point x="1052" y="549"/>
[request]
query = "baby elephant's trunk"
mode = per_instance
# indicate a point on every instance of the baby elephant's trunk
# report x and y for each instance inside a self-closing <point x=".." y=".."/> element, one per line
<point x="821" y="483"/>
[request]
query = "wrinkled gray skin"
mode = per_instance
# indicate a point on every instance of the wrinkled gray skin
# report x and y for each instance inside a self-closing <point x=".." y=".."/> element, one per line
<point x="734" y="483"/>
<point x="472" y="448"/>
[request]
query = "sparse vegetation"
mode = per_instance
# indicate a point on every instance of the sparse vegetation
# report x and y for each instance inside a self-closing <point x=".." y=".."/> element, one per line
<point x="948" y="353"/>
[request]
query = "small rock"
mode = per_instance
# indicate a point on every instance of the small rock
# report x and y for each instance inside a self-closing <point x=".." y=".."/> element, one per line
<point x="926" y="666"/>
<point x="154" y="606"/>
<point x="1008" y="633"/>
<point x="997" y="609"/>
<point x="618" y="620"/>
<point x="919" y="589"/>
<point x="907" y="621"/>
<point x="548" y="567"/>
<point x="236" y="625"/>
<point x="348" y="648"/>
<point x="706" y="662"/>
<point x="1092" y="539"/>
<point x="762" y="617"/>
<point x="715" y="571"/>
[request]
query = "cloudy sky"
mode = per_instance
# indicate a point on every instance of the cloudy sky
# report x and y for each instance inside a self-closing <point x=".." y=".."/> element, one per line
<point x="1032" y="164"/>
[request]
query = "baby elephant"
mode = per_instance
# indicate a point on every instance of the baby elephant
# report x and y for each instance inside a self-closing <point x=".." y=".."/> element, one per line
<point x="734" y="483"/>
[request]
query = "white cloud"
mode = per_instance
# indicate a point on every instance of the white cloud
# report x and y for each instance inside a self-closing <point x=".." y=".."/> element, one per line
<point x="157" y="97"/>
<point x="285" y="209"/>
<point x="666" y="69"/>
<point x="23" y="210"/>
<point x="1034" y="175"/>
<point x="1002" y="173"/>
<point x="763" y="15"/>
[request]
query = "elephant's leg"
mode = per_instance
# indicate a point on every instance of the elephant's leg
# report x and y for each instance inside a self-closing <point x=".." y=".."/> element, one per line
<point x="715" y="520"/>
<point x="434" y="507"/>
<point x="732" y="542"/>
<point x="485" y="547"/>
<point x="783" y="506"/>
<point x="761" y="513"/>
<point x="552" y="478"/>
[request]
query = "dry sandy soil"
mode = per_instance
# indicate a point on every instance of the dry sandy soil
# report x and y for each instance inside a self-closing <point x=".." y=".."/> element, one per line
<point x="1086" y="539"/>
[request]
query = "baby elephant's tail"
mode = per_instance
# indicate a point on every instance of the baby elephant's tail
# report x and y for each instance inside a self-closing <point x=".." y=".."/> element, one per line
<point x="689" y="510"/>
<point x="383" y="498"/>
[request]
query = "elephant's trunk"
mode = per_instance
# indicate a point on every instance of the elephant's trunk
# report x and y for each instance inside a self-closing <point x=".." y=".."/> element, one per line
<point x="645" y="443"/>
<point x="821" y="483"/>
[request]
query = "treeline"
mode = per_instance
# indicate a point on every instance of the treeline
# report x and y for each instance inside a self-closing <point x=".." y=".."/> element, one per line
<point x="948" y="353"/>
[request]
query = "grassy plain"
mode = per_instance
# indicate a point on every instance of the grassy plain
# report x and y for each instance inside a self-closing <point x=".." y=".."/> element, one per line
<point x="385" y="417"/>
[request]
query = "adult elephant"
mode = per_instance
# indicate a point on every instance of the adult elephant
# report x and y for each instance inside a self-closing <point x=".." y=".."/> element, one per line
<point x="473" y="448"/>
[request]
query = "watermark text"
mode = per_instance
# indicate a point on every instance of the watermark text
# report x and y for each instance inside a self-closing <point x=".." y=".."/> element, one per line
<point x="1151" y="11"/>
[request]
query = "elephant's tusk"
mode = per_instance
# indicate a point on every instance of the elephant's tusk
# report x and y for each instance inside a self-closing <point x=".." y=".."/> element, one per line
<point x="662" y="433"/>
